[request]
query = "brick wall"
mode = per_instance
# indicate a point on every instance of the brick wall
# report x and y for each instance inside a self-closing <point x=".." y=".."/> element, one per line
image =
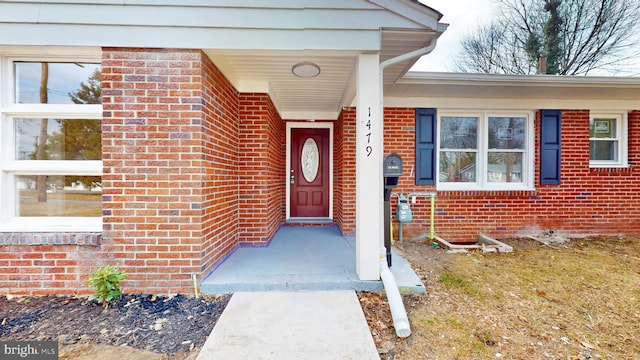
<point x="261" y="169"/>
<point x="220" y="167"/>
<point x="170" y="153"/>
<point x="192" y="169"/>
<point x="153" y="160"/>
<point x="588" y="201"/>
<point x="344" y="196"/>
<point x="48" y="264"/>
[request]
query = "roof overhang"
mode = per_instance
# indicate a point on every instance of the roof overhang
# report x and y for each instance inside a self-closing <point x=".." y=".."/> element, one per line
<point x="254" y="42"/>
<point x="481" y="91"/>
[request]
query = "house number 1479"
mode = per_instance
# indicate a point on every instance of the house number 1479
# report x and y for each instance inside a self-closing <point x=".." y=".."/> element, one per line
<point x="368" y="149"/>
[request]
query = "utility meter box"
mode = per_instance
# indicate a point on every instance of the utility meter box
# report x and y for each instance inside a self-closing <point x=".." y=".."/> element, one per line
<point x="403" y="210"/>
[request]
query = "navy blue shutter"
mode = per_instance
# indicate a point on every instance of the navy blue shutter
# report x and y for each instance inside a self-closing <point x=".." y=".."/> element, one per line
<point x="425" y="146"/>
<point x="550" y="146"/>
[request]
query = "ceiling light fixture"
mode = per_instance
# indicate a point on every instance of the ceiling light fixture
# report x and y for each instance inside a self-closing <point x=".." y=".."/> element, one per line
<point x="305" y="69"/>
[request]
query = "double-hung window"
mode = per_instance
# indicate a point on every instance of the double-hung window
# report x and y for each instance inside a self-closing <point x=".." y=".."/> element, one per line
<point x="50" y="144"/>
<point x="608" y="140"/>
<point x="485" y="151"/>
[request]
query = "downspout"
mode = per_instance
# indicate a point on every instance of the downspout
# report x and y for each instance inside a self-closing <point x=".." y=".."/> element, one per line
<point x="398" y="312"/>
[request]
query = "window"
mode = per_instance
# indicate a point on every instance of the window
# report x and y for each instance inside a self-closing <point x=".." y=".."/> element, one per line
<point x="50" y="144"/>
<point x="608" y="140"/>
<point x="485" y="151"/>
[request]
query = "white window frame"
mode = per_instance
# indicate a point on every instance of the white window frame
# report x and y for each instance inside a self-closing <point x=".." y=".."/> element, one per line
<point x="11" y="168"/>
<point x="622" y="124"/>
<point x="482" y="183"/>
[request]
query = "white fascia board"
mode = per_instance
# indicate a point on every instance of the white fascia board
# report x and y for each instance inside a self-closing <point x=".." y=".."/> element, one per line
<point x="434" y="78"/>
<point x="280" y="4"/>
<point x="514" y="91"/>
<point x="421" y="15"/>
<point x="528" y="104"/>
<point x="211" y="17"/>
<point x="309" y="115"/>
<point x="191" y="38"/>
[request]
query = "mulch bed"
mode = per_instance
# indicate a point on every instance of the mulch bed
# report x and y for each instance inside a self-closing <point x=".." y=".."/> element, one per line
<point x="166" y="325"/>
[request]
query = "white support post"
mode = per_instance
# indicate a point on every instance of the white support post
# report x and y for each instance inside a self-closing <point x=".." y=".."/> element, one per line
<point x="369" y="153"/>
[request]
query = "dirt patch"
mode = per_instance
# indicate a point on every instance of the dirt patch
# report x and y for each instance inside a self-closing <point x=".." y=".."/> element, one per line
<point x="136" y="326"/>
<point x="577" y="301"/>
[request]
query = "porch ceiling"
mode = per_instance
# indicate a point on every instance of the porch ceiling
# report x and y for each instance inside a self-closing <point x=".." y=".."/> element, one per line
<point x="269" y="72"/>
<point x="320" y="97"/>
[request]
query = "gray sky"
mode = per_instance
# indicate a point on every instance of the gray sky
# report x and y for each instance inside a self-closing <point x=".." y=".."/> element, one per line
<point x="462" y="17"/>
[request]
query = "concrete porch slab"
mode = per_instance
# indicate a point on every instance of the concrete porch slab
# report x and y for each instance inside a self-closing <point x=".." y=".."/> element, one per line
<point x="303" y="259"/>
<point x="291" y="325"/>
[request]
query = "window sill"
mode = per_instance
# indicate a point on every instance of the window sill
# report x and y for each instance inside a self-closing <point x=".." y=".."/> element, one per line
<point x="50" y="225"/>
<point x="461" y="193"/>
<point x="492" y="187"/>
<point x="610" y="169"/>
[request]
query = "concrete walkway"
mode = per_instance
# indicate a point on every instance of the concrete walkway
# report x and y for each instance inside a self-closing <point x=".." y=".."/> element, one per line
<point x="295" y="299"/>
<point x="303" y="258"/>
<point x="291" y="325"/>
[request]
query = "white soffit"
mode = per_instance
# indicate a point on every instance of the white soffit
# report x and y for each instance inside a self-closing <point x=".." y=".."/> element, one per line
<point x="270" y="72"/>
<point x="320" y="97"/>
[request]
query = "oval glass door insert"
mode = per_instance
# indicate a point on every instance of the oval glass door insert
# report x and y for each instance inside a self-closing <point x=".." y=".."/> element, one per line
<point x="310" y="159"/>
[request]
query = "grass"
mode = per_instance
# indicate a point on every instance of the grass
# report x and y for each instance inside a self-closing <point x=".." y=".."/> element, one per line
<point x="449" y="281"/>
<point x="573" y="303"/>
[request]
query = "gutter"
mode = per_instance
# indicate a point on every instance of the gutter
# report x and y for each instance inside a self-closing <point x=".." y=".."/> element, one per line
<point x="410" y="55"/>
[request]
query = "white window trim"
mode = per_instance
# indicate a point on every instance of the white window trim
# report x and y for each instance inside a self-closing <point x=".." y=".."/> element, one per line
<point x="623" y="140"/>
<point x="481" y="183"/>
<point x="10" y="168"/>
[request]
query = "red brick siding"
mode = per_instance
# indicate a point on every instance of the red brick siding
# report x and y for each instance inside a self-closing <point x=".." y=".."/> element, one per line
<point x="47" y="269"/>
<point x="261" y="169"/>
<point x="345" y="171"/>
<point x="588" y="201"/>
<point x="220" y="167"/>
<point x="338" y="166"/>
<point x="191" y="170"/>
<point x="153" y="160"/>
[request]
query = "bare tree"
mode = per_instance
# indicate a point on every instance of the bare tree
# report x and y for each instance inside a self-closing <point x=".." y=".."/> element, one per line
<point x="41" y="153"/>
<point x="572" y="37"/>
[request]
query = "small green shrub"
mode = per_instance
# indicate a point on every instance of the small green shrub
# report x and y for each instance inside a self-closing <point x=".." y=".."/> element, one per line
<point x="105" y="281"/>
